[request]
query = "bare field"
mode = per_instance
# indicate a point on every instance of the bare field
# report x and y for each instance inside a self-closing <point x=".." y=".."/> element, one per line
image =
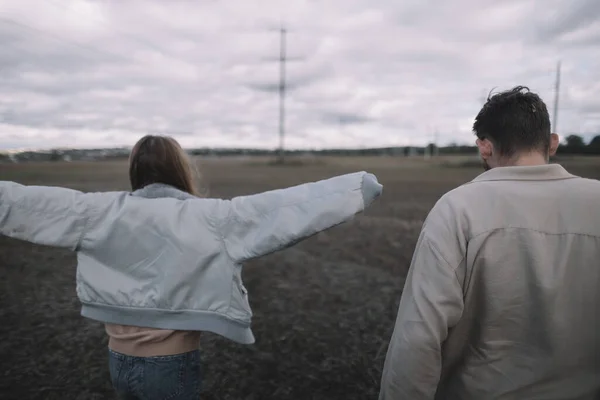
<point x="323" y="310"/>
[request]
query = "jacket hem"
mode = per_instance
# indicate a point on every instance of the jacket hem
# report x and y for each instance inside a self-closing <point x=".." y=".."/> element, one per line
<point x="167" y="319"/>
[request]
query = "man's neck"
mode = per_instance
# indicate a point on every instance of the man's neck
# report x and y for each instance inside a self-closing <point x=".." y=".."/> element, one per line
<point x="525" y="160"/>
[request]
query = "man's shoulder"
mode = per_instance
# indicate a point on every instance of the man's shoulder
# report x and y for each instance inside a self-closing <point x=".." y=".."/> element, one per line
<point x="451" y="209"/>
<point x="459" y="197"/>
<point x="586" y="184"/>
<point x="464" y="207"/>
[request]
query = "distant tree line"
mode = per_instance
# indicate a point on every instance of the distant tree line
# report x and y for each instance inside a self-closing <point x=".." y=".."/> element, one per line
<point x="575" y="144"/>
<point x="378" y="151"/>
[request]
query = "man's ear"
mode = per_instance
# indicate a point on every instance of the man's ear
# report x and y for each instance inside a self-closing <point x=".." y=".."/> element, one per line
<point x="485" y="148"/>
<point x="554" y="142"/>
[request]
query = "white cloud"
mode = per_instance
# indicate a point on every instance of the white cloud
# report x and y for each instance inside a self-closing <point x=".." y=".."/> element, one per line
<point x="95" y="73"/>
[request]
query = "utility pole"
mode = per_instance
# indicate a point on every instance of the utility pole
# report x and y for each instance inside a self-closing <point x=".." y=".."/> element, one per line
<point x="427" y="150"/>
<point x="437" y="148"/>
<point x="556" y="97"/>
<point x="282" y="59"/>
<point x="413" y="150"/>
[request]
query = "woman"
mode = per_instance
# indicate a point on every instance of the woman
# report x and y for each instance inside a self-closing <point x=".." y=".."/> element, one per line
<point x="159" y="265"/>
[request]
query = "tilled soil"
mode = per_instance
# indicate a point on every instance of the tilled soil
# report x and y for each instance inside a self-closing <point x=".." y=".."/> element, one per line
<point x="323" y="310"/>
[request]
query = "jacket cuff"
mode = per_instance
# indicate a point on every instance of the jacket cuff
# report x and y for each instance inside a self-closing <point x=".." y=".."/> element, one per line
<point x="371" y="189"/>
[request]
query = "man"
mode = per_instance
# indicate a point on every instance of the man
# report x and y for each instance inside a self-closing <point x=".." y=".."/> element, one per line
<point x="502" y="299"/>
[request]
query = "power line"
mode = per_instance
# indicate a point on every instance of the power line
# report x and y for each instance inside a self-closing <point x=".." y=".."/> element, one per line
<point x="61" y="39"/>
<point x="135" y="38"/>
<point x="556" y="97"/>
<point x="90" y="49"/>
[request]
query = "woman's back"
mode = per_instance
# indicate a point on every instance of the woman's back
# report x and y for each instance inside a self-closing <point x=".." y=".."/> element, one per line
<point x="176" y="264"/>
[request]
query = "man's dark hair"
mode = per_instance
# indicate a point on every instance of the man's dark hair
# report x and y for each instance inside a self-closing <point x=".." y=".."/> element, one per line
<point x="515" y="120"/>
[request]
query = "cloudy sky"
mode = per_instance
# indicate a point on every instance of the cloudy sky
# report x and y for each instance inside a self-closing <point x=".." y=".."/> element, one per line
<point x="362" y="73"/>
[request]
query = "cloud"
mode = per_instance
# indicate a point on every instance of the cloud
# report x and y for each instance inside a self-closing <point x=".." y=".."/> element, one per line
<point x="563" y="22"/>
<point x="95" y="73"/>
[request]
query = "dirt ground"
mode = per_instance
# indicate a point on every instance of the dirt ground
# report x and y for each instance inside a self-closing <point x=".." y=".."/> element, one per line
<point x="324" y="309"/>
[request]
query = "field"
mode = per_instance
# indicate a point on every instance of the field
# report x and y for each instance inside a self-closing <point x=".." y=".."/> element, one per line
<point x="324" y="309"/>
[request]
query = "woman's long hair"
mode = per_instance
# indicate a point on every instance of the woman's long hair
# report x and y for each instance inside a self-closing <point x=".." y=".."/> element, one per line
<point x="160" y="159"/>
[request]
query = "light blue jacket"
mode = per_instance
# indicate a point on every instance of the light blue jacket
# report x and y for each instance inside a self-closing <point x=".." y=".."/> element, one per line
<point x="161" y="258"/>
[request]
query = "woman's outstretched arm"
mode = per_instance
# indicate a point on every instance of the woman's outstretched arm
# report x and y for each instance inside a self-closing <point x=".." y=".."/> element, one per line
<point x="264" y="223"/>
<point x="43" y="215"/>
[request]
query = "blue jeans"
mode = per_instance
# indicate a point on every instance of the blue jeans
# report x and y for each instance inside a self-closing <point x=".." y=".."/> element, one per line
<point x="156" y="378"/>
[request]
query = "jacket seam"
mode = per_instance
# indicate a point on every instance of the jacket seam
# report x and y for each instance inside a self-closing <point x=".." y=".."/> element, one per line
<point x="453" y="269"/>
<point x="88" y="215"/>
<point x="438" y="251"/>
<point x="522" y="180"/>
<point x="20" y="206"/>
<point x="362" y="194"/>
<point x="218" y="231"/>
<point x="534" y="230"/>
<point x="232" y="265"/>
<point x="225" y="315"/>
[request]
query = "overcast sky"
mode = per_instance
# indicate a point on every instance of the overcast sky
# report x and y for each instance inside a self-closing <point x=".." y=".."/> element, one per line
<point x="363" y="73"/>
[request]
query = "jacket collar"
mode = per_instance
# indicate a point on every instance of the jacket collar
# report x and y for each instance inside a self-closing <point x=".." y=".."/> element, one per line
<point x="525" y="173"/>
<point x="160" y="190"/>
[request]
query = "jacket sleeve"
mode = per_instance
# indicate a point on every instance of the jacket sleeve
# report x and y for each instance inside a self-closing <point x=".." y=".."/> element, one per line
<point x="260" y="224"/>
<point x="43" y="215"/>
<point x="431" y="304"/>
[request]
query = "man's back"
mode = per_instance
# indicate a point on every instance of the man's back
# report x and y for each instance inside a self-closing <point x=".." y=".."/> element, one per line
<point x="501" y="300"/>
<point x="531" y="284"/>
